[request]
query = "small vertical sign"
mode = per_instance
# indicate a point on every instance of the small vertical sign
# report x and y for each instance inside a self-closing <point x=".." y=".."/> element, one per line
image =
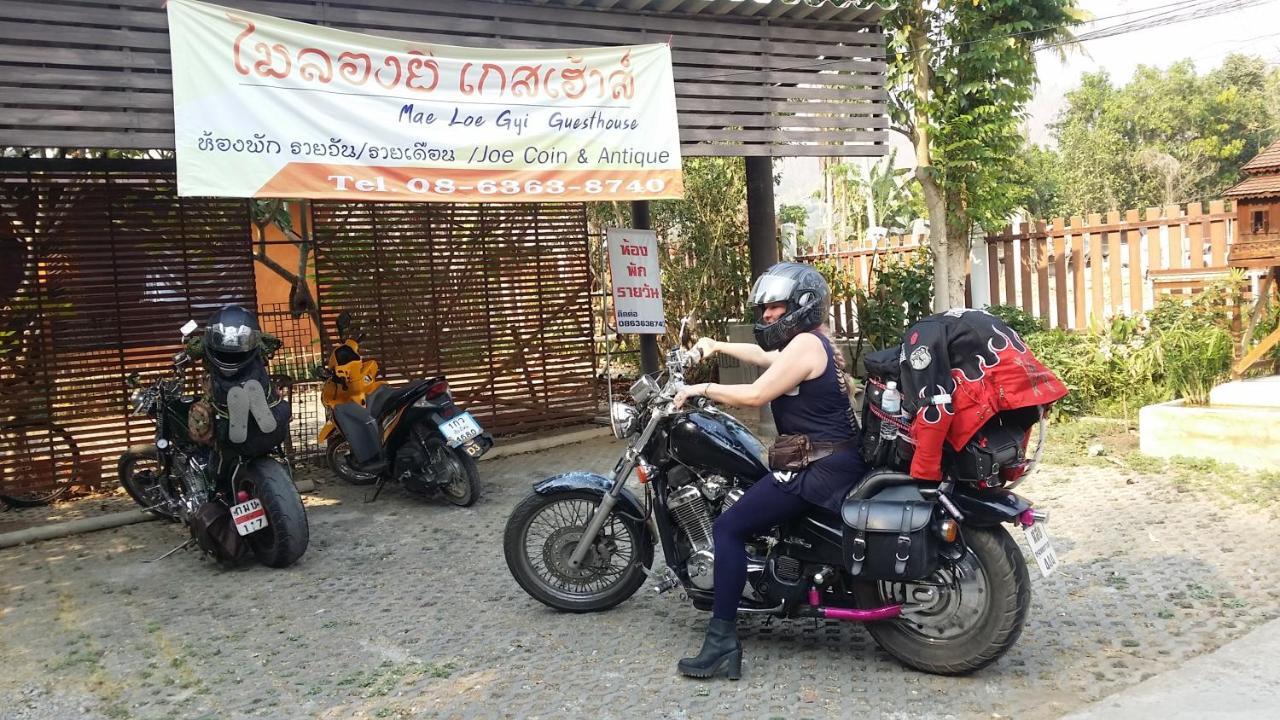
<point x="637" y="286"/>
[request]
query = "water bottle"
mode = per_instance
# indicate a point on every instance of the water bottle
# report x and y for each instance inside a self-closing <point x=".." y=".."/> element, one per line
<point x="891" y="404"/>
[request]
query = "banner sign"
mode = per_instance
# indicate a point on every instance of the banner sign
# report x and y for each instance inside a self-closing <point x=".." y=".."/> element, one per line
<point x="265" y="107"/>
<point x="637" y="284"/>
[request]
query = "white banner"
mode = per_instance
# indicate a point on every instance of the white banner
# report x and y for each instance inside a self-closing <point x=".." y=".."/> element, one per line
<point x="265" y="107"/>
<point x="637" y="282"/>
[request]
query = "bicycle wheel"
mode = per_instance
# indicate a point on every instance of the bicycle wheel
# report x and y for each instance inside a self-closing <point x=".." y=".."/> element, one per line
<point x="45" y="463"/>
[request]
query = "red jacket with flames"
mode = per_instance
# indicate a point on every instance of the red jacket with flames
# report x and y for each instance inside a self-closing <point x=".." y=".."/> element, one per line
<point x="958" y="369"/>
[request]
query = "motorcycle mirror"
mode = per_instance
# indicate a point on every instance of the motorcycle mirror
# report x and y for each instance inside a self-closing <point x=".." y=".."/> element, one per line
<point x="189" y="328"/>
<point x="132" y="380"/>
<point x="686" y="329"/>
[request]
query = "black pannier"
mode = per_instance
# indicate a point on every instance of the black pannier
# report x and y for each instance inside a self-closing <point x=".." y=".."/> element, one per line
<point x="890" y="537"/>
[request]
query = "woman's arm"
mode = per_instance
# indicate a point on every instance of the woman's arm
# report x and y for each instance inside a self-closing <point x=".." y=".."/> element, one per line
<point x="746" y="352"/>
<point x="802" y="359"/>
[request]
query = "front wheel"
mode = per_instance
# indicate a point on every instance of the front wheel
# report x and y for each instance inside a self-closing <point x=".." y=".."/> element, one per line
<point x="336" y="455"/>
<point x="286" y="536"/>
<point x="142" y="475"/>
<point x="540" y="538"/>
<point x="964" y="616"/>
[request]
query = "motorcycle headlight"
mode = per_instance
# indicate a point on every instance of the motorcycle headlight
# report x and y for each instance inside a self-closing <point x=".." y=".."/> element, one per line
<point x="623" y="419"/>
<point x="135" y="397"/>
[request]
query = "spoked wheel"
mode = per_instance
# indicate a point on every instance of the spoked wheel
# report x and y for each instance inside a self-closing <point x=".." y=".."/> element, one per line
<point x="541" y="535"/>
<point x="964" y="616"/>
<point x="140" y="474"/>
<point x="336" y="453"/>
<point x="456" y="472"/>
<point x="41" y="450"/>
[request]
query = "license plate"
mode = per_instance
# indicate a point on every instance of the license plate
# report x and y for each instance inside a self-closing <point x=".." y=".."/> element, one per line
<point x="460" y="429"/>
<point x="1041" y="548"/>
<point x="249" y="516"/>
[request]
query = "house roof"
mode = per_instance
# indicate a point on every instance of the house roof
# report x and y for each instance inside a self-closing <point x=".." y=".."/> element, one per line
<point x="1268" y="159"/>
<point x="1256" y="186"/>
<point x="837" y="11"/>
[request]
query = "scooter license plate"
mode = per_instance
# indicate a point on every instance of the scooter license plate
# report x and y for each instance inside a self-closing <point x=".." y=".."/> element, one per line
<point x="249" y="516"/>
<point x="1041" y="548"/>
<point x="460" y="429"/>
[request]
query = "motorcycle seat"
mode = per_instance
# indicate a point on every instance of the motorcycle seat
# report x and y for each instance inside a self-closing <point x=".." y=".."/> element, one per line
<point x="390" y="397"/>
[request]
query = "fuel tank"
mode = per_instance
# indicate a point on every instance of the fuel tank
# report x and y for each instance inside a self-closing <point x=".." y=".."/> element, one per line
<point x="715" y="442"/>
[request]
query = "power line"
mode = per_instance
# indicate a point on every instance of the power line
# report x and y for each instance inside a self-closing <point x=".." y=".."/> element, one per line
<point x="1157" y="16"/>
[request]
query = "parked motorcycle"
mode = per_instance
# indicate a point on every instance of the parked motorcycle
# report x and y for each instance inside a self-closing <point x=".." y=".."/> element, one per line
<point x="235" y="494"/>
<point x="929" y="566"/>
<point x="413" y="434"/>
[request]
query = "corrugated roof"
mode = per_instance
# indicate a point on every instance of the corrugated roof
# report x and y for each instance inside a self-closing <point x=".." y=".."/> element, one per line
<point x="1256" y="186"/>
<point x="1268" y="159"/>
<point x="834" y="11"/>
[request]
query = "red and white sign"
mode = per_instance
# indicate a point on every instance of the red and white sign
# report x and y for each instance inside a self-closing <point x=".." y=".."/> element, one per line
<point x="637" y="281"/>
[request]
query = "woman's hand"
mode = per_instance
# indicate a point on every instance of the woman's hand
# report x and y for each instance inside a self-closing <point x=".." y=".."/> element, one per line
<point x="705" y="347"/>
<point x="689" y="391"/>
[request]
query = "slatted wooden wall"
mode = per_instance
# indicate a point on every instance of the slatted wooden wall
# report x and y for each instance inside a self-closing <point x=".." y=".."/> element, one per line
<point x="95" y="73"/>
<point x="494" y="297"/>
<point x="112" y="264"/>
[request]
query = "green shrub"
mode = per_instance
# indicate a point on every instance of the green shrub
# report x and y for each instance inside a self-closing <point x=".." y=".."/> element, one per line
<point x="1022" y="322"/>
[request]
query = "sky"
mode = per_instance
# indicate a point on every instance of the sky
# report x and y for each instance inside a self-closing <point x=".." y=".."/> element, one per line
<point x="1207" y="41"/>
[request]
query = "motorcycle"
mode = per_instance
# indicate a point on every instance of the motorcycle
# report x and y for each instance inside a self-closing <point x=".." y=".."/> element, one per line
<point x="930" y="566"/>
<point x="209" y="481"/>
<point x="414" y="434"/>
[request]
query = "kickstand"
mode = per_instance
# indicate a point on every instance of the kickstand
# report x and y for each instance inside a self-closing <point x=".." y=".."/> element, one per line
<point x="183" y="546"/>
<point x="377" y="489"/>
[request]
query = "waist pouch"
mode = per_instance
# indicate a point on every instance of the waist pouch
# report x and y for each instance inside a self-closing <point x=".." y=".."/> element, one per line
<point x="792" y="453"/>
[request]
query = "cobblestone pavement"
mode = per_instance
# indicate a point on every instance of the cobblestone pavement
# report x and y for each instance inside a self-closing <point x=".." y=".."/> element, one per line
<point x="406" y="609"/>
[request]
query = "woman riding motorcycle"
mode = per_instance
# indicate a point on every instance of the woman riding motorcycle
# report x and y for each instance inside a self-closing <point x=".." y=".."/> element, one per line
<point x="804" y="383"/>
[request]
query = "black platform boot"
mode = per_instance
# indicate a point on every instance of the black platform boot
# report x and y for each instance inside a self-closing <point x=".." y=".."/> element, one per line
<point x="721" y="650"/>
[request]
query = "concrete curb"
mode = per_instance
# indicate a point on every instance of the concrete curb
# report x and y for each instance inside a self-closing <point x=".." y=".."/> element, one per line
<point x="98" y="522"/>
<point x="546" y="443"/>
<point x="73" y="527"/>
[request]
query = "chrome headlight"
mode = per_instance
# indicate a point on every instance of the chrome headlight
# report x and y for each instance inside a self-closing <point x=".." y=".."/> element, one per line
<point x="624" y="419"/>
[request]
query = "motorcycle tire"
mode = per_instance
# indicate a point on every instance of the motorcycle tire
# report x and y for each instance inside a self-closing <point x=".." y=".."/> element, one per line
<point x="1001" y="611"/>
<point x="462" y="486"/>
<point x="514" y="547"/>
<point x="286" y="536"/>
<point x="335" y="456"/>
<point x="144" y="484"/>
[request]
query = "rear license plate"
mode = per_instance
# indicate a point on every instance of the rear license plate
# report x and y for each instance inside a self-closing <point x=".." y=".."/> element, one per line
<point x="1041" y="548"/>
<point x="249" y="516"/>
<point x="460" y="429"/>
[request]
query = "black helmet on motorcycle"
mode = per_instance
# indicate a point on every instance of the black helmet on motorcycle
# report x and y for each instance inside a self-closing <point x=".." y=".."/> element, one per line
<point x="807" y="296"/>
<point x="232" y="339"/>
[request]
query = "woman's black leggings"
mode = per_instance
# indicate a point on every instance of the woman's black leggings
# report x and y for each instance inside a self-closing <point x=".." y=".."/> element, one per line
<point x="763" y="506"/>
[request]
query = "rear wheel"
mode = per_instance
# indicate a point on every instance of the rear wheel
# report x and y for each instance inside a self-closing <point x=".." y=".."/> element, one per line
<point x="456" y="473"/>
<point x="541" y="535"/>
<point x="286" y="536"/>
<point x="964" y="616"/>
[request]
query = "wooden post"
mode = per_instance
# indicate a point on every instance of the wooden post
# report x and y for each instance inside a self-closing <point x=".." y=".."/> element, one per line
<point x="993" y="264"/>
<point x="1096" y="313"/>
<point x="1114" y="261"/>
<point x="1137" y="284"/>
<point x="1060" y="270"/>
<point x="1077" y="269"/>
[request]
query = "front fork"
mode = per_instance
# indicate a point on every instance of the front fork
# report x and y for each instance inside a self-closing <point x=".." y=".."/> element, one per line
<point x="621" y="472"/>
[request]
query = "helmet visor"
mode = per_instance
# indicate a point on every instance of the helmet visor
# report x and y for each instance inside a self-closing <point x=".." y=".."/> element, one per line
<point x="232" y="338"/>
<point x="771" y="289"/>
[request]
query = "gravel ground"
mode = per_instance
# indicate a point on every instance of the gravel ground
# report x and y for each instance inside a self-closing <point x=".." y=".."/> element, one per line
<point x="402" y="608"/>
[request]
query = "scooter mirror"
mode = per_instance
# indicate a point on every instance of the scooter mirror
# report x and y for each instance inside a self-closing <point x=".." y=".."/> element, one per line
<point x="344" y="322"/>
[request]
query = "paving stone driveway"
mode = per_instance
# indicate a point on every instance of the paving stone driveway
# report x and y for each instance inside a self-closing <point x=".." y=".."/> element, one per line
<point x="406" y="609"/>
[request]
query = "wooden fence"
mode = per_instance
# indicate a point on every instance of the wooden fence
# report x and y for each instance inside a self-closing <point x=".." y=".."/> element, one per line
<point x="1074" y="272"/>
<point x="1082" y="271"/>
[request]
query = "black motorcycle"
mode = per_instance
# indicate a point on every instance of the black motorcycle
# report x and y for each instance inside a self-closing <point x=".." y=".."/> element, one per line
<point x="235" y="497"/>
<point x="929" y="566"/>
<point x="413" y="434"/>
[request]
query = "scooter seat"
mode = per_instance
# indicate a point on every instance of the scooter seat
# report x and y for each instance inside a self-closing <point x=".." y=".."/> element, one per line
<point x="388" y="397"/>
